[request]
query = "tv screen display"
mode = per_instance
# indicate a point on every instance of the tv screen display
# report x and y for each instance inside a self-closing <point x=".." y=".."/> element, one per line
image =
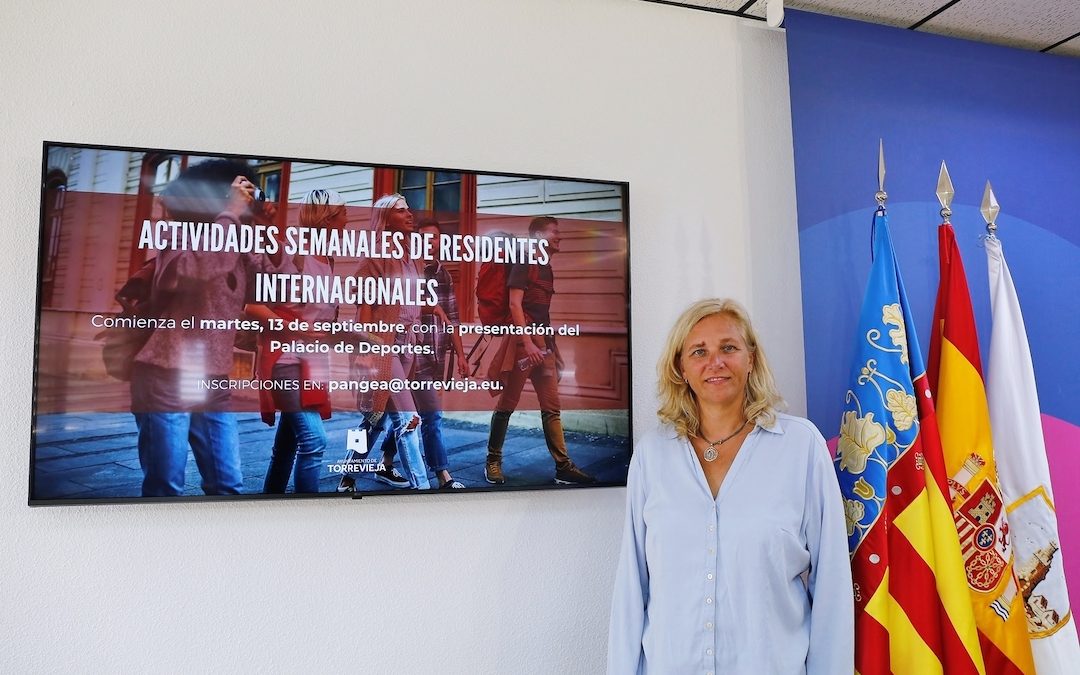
<point x="214" y="326"/>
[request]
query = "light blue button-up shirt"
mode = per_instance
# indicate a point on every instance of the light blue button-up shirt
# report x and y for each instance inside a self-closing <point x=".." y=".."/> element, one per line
<point x="755" y="582"/>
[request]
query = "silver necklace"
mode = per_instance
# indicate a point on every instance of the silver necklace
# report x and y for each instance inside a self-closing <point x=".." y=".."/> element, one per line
<point x="710" y="453"/>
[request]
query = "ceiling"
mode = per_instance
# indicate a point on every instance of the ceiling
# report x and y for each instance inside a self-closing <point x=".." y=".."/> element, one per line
<point x="1051" y="26"/>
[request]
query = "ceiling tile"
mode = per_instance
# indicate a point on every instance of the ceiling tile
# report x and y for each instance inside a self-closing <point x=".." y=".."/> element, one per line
<point x="728" y="5"/>
<point x="1070" y="48"/>
<point x="757" y="9"/>
<point x="888" y="12"/>
<point x="1029" y="24"/>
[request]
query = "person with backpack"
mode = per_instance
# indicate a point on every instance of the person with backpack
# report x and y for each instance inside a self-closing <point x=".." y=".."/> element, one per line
<point x="530" y="357"/>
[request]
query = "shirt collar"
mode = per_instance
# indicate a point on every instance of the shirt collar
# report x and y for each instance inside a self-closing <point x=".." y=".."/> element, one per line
<point x="776" y="427"/>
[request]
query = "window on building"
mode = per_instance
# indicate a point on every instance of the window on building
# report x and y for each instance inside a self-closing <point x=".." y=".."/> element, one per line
<point x="269" y="176"/>
<point x="436" y="193"/>
<point x="55" y="196"/>
<point x="167" y="169"/>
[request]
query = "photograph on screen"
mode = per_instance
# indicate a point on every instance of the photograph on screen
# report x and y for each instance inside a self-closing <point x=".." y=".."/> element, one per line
<point x="218" y="326"/>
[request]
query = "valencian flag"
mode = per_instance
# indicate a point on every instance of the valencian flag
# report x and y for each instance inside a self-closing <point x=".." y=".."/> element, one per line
<point x="978" y="510"/>
<point x="1025" y="478"/>
<point x="912" y="611"/>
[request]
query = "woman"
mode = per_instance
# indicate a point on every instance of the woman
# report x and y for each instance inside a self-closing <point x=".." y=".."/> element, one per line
<point x="432" y="367"/>
<point x="391" y="213"/>
<point x="300" y="439"/>
<point x="734" y="556"/>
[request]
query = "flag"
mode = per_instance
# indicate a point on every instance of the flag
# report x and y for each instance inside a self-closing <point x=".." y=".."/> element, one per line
<point x="1025" y="477"/>
<point x="978" y="508"/>
<point x="912" y="611"/>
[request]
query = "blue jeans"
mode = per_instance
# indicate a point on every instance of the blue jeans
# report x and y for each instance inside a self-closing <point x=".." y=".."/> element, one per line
<point x="163" y="449"/>
<point x="431" y="433"/>
<point x="300" y="439"/>
<point x="406" y="442"/>
<point x="164" y="437"/>
<point x="429" y="404"/>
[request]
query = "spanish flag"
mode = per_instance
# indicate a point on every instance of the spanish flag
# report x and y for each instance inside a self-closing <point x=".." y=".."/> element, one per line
<point x="912" y="611"/>
<point x="978" y="508"/>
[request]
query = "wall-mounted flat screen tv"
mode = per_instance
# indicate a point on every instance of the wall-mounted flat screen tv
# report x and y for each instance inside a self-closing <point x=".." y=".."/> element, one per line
<point x="219" y="326"/>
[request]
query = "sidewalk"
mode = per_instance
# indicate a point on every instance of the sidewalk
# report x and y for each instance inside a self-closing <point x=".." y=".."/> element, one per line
<point x="95" y="456"/>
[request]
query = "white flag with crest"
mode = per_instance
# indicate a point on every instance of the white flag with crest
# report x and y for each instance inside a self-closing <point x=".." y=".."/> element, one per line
<point x="1025" y="477"/>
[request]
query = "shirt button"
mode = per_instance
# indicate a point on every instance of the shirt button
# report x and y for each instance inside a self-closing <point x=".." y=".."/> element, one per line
<point x="708" y="601"/>
<point x="708" y="576"/>
<point x="712" y="528"/>
<point x="708" y="625"/>
<point x="711" y="550"/>
<point x="708" y="652"/>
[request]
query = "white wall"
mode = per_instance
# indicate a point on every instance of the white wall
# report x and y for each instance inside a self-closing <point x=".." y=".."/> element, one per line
<point x="690" y="107"/>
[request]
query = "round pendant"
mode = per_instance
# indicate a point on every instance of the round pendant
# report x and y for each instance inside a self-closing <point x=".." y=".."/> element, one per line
<point x="709" y="454"/>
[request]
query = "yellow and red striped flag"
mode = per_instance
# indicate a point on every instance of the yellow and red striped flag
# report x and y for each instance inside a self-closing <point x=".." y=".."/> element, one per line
<point x="913" y="615"/>
<point x="956" y="381"/>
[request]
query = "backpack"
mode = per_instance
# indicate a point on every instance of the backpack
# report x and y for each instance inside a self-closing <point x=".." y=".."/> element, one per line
<point x="137" y="300"/>
<point x="492" y="293"/>
<point x="121" y="344"/>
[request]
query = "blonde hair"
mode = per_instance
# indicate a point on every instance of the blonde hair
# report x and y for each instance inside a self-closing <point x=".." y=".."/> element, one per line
<point x="319" y="207"/>
<point x="381" y="210"/>
<point x="678" y="405"/>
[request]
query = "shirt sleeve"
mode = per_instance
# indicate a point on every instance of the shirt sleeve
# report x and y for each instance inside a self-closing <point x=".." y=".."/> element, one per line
<point x="631" y="595"/>
<point x="832" y="606"/>
<point x="446" y="285"/>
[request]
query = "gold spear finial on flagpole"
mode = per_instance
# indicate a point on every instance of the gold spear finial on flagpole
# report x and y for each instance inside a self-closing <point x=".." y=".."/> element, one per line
<point x="990" y="209"/>
<point x="945" y="192"/>
<point x="881" y="195"/>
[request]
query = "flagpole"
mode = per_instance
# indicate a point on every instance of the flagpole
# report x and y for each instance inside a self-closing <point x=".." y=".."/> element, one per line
<point x="990" y="210"/>
<point x="881" y="196"/>
<point x="945" y="193"/>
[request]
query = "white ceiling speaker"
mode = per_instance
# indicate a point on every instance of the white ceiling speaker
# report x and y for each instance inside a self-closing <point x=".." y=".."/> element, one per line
<point x="774" y="13"/>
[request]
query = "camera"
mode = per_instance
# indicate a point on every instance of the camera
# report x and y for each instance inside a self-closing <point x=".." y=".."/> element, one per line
<point x="258" y="200"/>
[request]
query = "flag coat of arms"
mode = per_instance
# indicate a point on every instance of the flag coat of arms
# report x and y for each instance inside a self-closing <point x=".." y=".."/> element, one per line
<point x="979" y="512"/>
<point x="1024" y="476"/>
<point x="913" y="611"/>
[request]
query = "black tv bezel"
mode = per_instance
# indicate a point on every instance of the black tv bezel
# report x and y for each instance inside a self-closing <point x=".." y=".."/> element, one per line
<point x="259" y="496"/>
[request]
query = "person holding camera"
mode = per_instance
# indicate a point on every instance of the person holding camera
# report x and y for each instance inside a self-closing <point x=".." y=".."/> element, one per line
<point x="173" y="407"/>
